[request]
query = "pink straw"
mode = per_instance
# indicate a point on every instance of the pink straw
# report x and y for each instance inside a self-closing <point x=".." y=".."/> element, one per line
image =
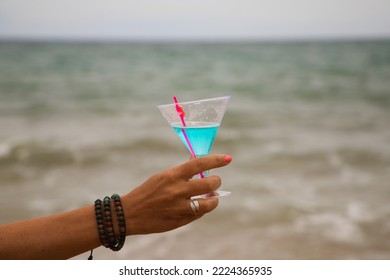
<point x="181" y="114"/>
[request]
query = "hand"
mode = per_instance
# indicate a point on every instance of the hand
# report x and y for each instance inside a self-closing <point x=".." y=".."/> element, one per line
<point x="162" y="202"/>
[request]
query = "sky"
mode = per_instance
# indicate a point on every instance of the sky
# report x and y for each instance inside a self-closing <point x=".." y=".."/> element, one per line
<point x="194" y="19"/>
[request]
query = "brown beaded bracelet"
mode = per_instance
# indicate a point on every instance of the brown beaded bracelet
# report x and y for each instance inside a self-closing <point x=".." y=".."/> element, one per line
<point x="109" y="226"/>
<point x="121" y="223"/>
<point x="105" y="224"/>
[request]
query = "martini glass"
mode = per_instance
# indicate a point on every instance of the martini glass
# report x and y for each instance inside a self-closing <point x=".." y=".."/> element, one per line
<point x="197" y="123"/>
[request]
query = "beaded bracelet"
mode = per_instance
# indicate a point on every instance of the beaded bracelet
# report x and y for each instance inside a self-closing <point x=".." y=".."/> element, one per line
<point x="121" y="223"/>
<point x="105" y="224"/>
<point x="100" y="222"/>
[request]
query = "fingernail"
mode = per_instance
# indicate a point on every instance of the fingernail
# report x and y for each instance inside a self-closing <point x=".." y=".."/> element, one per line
<point x="228" y="158"/>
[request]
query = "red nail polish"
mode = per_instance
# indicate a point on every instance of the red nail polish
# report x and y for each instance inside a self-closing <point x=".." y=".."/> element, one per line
<point x="228" y="158"/>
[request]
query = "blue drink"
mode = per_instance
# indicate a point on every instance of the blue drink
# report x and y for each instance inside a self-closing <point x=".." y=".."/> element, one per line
<point x="200" y="134"/>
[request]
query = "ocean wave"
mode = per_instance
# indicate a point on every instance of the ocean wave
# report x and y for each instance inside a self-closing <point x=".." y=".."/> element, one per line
<point x="34" y="153"/>
<point x="39" y="154"/>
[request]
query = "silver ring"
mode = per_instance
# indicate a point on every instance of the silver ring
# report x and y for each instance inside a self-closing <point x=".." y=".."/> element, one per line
<point x="194" y="206"/>
<point x="196" y="203"/>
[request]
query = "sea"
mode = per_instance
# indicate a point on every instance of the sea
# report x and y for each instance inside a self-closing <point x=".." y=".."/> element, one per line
<point x="308" y="127"/>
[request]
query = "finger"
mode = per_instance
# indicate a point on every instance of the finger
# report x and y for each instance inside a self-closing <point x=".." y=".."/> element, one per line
<point x="198" y="165"/>
<point x="202" y="186"/>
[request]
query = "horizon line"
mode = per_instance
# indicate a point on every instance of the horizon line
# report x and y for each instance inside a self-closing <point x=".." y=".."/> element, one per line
<point x="287" y="39"/>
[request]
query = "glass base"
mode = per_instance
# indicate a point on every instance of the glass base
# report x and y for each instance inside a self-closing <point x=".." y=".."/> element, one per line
<point x="213" y="194"/>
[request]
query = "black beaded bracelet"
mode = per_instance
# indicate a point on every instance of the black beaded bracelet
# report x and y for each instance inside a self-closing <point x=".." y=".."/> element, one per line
<point x="100" y="222"/>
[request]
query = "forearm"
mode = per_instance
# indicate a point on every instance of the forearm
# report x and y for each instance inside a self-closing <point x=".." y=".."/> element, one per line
<point x="59" y="236"/>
